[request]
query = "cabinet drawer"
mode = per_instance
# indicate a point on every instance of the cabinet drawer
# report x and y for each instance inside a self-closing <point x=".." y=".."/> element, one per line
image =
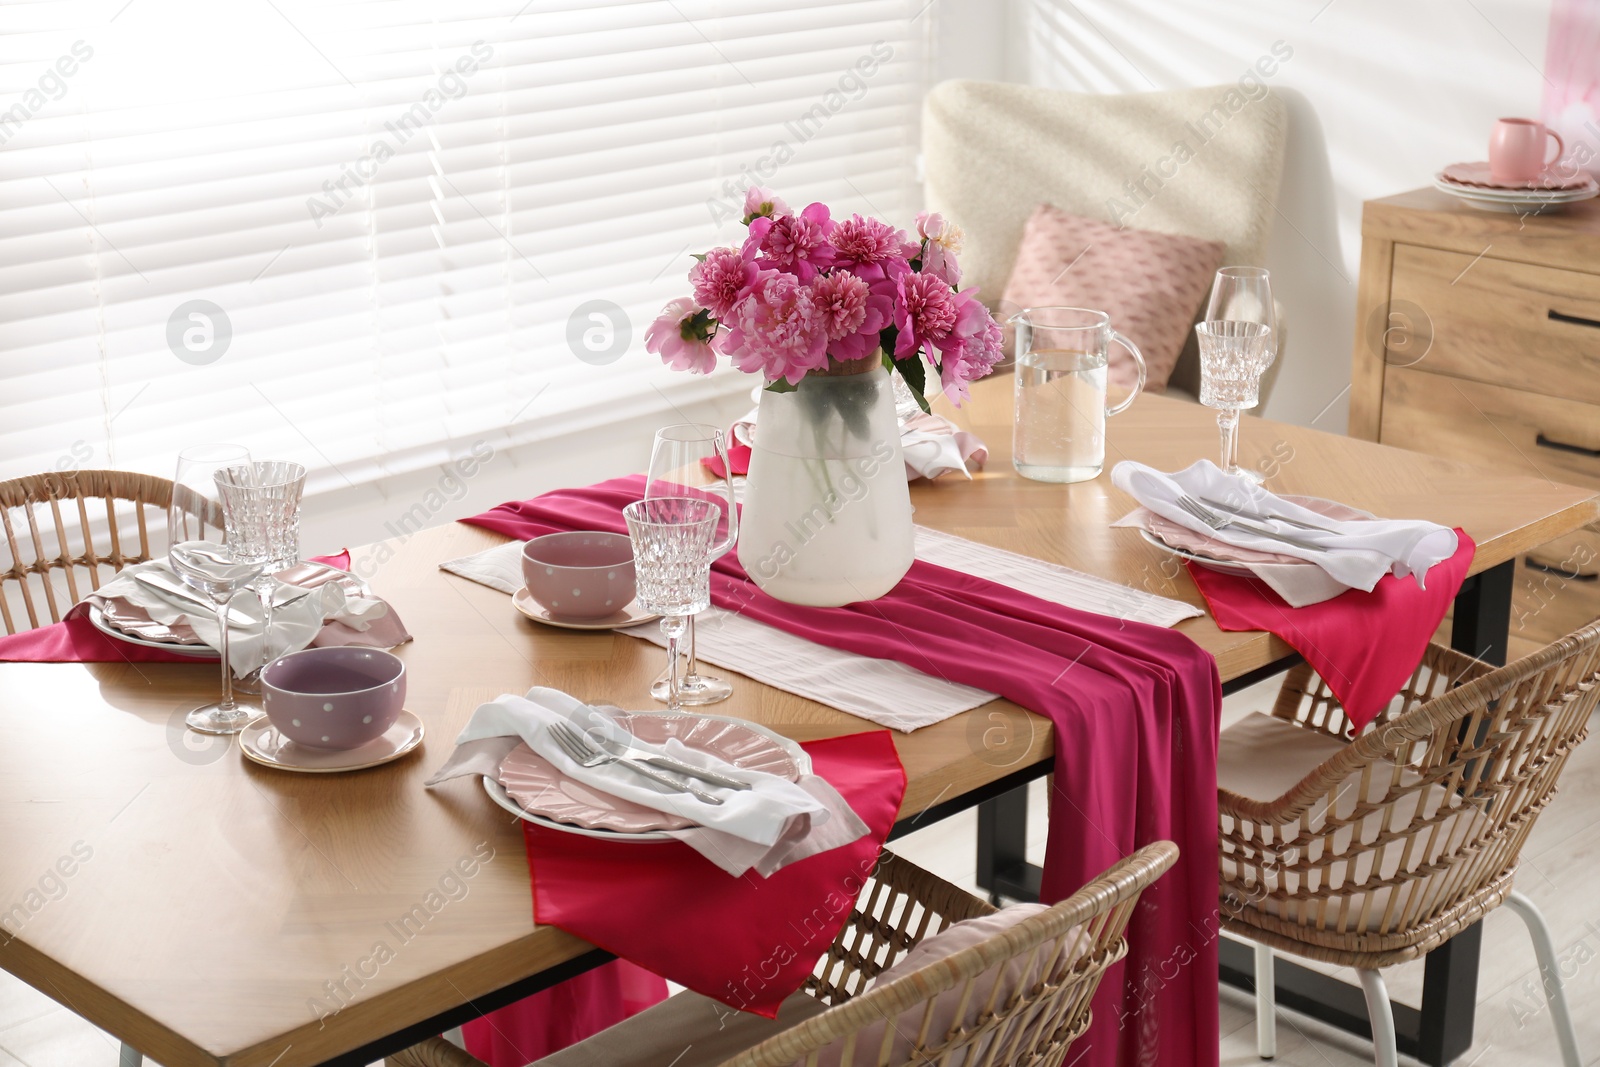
<point x="1511" y="429"/>
<point x="1546" y="605"/>
<point x="1492" y="320"/>
<point x="1575" y="557"/>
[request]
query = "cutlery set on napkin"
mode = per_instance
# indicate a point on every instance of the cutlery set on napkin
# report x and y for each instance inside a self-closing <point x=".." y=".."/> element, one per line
<point x="1305" y="550"/>
<point x="738" y="818"/>
<point x="313" y="604"/>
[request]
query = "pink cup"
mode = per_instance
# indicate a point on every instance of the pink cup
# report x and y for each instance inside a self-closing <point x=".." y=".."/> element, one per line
<point x="584" y="574"/>
<point x="338" y="697"/>
<point x="1517" y="150"/>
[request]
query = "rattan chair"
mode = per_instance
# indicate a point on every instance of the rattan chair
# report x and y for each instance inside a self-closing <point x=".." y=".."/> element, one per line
<point x="63" y="509"/>
<point x="1375" y="851"/>
<point x="1059" y="954"/>
<point x="66" y="530"/>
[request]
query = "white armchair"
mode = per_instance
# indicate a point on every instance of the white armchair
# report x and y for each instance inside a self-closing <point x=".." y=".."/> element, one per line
<point x="1182" y="161"/>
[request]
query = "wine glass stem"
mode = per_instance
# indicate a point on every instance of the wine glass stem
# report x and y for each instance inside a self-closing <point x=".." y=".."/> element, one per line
<point x="227" y="706"/>
<point x="1228" y="423"/>
<point x="690" y="673"/>
<point x="672" y="627"/>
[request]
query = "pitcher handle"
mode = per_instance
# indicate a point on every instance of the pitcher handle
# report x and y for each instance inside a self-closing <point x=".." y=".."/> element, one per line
<point x="721" y="549"/>
<point x="1138" y="361"/>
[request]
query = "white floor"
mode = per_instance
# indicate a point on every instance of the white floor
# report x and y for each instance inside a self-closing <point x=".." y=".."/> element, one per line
<point x="1560" y="871"/>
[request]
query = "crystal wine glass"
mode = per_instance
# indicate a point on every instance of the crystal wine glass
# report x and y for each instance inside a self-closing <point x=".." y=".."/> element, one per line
<point x="677" y="469"/>
<point x="198" y="553"/>
<point x="672" y="554"/>
<point x="1244" y="294"/>
<point x="1232" y="356"/>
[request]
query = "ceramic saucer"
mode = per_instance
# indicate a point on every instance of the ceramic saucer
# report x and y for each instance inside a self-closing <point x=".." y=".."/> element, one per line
<point x="631" y="615"/>
<point x="262" y="744"/>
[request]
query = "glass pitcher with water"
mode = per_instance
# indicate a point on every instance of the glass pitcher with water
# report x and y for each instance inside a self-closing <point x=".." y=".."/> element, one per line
<point x="1060" y="430"/>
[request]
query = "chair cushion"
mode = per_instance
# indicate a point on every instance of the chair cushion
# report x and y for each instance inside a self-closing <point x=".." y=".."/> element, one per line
<point x="1014" y="976"/>
<point x="1262" y="758"/>
<point x="687" y="1030"/>
<point x="1151" y="284"/>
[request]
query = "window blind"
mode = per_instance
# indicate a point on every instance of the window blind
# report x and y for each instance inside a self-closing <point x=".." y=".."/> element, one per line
<point x="366" y="235"/>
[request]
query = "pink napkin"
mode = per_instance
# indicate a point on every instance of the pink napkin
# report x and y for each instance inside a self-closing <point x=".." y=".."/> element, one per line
<point x="75" y="639"/>
<point x="1136" y="710"/>
<point x="1364" y="644"/>
<point x="670" y="910"/>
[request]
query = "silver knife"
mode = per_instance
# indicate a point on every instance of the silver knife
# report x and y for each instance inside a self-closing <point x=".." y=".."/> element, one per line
<point x="656" y="759"/>
<point x="167" y="587"/>
<point x="1274" y="535"/>
<point x="1241" y="513"/>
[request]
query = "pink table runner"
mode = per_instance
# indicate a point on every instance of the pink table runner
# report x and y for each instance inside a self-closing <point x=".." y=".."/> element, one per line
<point x="1365" y="645"/>
<point x="1136" y="711"/>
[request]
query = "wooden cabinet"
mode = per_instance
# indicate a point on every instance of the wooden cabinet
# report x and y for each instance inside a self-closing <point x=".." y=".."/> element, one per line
<point x="1478" y="337"/>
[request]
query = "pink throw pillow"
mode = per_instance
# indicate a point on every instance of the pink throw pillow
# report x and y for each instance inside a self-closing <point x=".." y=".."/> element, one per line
<point x="1151" y="284"/>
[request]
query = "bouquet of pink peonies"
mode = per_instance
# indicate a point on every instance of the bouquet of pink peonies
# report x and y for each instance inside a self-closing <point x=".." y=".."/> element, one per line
<point x="805" y="292"/>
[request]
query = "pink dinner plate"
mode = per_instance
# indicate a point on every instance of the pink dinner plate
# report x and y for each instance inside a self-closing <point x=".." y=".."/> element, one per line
<point x="1477" y="175"/>
<point x="549" y="797"/>
<point x="1208" y="549"/>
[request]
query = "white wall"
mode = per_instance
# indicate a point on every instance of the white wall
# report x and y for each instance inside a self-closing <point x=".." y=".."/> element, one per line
<point x="1381" y="94"/>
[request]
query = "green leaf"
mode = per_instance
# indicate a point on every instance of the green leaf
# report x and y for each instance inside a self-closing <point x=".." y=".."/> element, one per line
<point x="700" y="257"/>
<point x="915" y="372"/>
<point x="781" y="386"/>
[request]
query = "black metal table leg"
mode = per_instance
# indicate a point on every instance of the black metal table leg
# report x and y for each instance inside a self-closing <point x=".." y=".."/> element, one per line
<point x="1003" y="869"/>
<point x="1481" y="627"/>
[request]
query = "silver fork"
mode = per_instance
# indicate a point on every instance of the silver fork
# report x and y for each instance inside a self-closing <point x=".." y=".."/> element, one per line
<point x="584" y="753"/>
<point x="1241" y="513"/>
<point x="1222" y="522"/>
<point x="664" y="762"/>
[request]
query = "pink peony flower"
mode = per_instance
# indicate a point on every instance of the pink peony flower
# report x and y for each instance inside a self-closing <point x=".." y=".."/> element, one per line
<point x="861" y="242"/>
<point x="941" y="240"/>
<point x="795" y="243"/>
<point x="971" y="348"/>
<point x="681" y="341"/>
<point x="925" y="311"/>
<point x="777" y="330"/>
<point x="721" y="279"/>
<point x="851" y="313"/>
<point x="761" y="202"/>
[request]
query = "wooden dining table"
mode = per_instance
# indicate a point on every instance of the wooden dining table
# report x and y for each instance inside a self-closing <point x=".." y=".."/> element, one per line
<point x="210" y="911"/>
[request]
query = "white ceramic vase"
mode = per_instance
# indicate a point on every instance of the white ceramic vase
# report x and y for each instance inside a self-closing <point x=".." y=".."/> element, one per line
<point x="827" y="515"/>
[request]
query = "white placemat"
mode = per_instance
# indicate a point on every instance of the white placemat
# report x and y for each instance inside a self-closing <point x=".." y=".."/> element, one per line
<point x="883" y="691"/>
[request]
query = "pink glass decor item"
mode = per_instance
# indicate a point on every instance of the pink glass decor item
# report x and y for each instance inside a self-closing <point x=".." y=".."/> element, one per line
<point x="1572" y="82"/>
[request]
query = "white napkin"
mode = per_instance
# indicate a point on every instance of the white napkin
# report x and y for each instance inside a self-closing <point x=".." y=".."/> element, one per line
<point x="1355" y="554"/>
<point x="294" y="625"/>
<point x="764" y="828"/>
<point x="931" y="445"/>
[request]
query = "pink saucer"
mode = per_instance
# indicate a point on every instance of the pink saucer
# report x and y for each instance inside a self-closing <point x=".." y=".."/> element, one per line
<point x="541" y="789"/>
<point x="1477" y="176"/>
